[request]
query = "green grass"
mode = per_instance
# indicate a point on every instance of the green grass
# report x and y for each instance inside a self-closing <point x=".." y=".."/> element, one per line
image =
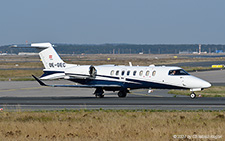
<point x="8" y="65"/>
<point x="19" y="75"/>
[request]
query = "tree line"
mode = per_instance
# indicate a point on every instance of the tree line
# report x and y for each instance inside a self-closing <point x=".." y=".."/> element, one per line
<point x="121" y="48"/>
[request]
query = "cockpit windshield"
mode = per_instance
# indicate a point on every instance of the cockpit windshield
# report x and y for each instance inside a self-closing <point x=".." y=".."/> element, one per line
<point x="178" y="72"/>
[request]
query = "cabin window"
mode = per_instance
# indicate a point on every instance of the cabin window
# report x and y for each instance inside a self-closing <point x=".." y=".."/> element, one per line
<point x="112" y="72"/>
<point x="154" y="73"/>
<point x="134" y="73"/>
<point x="140" y="73"/>
<point x="178" y="72"/>
<point x="117" y="72"/>
<point x="122" y="73"/>
<point x="128" y="73"/>
<point x="147" y="73"/>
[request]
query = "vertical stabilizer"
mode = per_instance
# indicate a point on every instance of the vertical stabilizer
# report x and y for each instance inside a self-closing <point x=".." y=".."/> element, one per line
<point x="54" y="65"/>
<point x="49" y="56"/>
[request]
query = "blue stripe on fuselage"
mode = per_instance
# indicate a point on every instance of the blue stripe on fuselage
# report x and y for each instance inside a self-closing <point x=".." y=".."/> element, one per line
<point x="46" y="73"/>
<point x="136" y="85"/>
<point x="142" y="84"/>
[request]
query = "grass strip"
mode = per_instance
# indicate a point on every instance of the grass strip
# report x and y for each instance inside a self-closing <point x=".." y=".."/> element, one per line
<point x="109" y="124"/>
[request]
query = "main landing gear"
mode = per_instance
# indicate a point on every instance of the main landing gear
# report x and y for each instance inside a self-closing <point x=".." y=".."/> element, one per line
<point x="192" y="95"/>
<point x="99" y="93"/>
<point x="123" y="93"/>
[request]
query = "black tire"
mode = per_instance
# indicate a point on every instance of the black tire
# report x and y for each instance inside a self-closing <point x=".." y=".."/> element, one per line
<point x="122" y="94"/>
<point x="99" y="95"/>
<point x="193" y="95"/>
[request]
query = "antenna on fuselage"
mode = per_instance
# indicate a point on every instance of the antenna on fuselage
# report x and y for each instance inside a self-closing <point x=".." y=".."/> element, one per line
<point x="130" y="64"/>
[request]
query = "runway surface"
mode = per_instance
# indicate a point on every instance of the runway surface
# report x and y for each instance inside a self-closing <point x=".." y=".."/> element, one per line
<point x="28" y="95"/>
<point x="160" y="103"/>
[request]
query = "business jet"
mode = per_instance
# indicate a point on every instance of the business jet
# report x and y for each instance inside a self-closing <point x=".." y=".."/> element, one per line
<point x="112" y="77"/>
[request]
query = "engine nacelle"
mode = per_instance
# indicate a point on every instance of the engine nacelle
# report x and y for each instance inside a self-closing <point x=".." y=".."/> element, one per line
<point x="81" y="72"/>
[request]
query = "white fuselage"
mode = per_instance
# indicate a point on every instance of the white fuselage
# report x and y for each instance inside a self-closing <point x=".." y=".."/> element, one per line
<point x="134" y="77"/>
<point x="114" y="78"/>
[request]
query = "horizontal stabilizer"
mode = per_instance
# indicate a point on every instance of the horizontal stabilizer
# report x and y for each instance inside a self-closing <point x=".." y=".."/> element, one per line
<point x="34" y="45"/>
<point x="39" y="81"/>
<point x="49" y="57"/>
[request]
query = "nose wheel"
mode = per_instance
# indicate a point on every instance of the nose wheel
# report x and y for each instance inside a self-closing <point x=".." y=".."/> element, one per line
<point x="192" y="95"/>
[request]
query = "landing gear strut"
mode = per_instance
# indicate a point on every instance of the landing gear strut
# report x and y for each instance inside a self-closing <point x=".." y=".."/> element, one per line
<point x="192" y="95"/>
<point x="99" y="93"/>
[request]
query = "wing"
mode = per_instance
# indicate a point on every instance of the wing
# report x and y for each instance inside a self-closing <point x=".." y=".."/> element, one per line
<point x="78" y="86"/>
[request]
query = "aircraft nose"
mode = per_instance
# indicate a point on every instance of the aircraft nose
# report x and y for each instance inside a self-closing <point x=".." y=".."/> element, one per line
<point x="206" y="84"/>
<point x="194" y="82"/>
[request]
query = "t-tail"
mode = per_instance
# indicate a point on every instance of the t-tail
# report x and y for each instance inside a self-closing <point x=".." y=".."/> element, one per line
<point x="54" y="65"/>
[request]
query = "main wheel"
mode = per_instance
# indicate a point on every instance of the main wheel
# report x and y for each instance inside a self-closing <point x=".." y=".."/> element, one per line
<point x="99" y="95"/>
<point x="122" y="94"/>
<point x="193" y="95"/>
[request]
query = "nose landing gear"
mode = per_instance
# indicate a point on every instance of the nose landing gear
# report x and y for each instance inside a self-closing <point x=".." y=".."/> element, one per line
<point x="192" y="95"/>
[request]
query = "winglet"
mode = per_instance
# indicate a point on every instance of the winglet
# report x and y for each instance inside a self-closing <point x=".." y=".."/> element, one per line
<point x="39" y="81"/>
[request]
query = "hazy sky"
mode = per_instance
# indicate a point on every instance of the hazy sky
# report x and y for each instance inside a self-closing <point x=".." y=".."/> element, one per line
<point x="115" y="21"/>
